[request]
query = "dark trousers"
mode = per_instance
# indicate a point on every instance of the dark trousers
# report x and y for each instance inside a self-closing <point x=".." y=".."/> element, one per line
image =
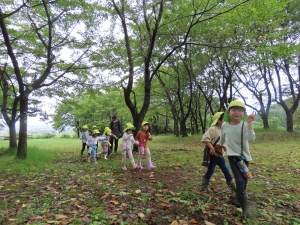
<point x="218" y="161"/>
<point x="240" y="180"/>
<point x="113" y="142"/>
<point x="83" y="148"/>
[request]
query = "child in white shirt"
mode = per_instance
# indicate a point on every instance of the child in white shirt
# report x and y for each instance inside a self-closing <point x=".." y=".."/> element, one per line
<point x="92" y="145"/>
<point x="128" y="140"/>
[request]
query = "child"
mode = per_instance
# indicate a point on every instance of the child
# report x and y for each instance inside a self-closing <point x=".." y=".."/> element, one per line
<point x="105" y="141"/>
<point x="142" y="137"/>
<point x="92" y="144"/>
<point x="236" y="133"/>
<point x="84" y="135"/>
<point x="128" y="140"/>
<point x="211" y="138"/>
<point x="95" y="128"/>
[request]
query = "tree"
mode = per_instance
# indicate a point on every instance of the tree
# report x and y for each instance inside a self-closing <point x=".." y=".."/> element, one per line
<point x="34" y="36"/>
<point x="148" y="43"/>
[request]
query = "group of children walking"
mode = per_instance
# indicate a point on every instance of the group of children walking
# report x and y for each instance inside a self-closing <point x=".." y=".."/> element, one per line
<point x="141" y="139"/>
<point x="232" y="137"/>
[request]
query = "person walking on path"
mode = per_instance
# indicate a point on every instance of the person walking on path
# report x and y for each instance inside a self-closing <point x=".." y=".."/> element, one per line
<point x="116" y="128"/>
<point x="143" y="136"/>
<point x="127" y="142"/>
<point x="84" y="135"/>
<point x="236" y="133"/>
<point x="105" y="141"/>
<point x="211" y="138"/>
<point x="92" y="143"/>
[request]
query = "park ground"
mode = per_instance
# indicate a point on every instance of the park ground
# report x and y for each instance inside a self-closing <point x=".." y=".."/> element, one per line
<point x="54" y="185"/>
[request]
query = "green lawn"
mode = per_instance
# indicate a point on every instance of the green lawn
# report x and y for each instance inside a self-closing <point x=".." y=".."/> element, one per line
<point x="54" y="185"/>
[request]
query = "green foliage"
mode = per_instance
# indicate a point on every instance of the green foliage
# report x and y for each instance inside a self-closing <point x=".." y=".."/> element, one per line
<point x="45" y="136"/>
<point x="66" y="136"/>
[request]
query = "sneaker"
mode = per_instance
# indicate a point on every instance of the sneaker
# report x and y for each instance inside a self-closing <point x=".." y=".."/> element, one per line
<point x="95" y="162"/>
<point x="124" y="168"/>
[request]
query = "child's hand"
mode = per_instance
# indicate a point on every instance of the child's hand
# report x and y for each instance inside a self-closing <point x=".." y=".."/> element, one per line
<point x="212" y="151"/>
<point x="150" y="137"/>
<point x="251" y="117"/>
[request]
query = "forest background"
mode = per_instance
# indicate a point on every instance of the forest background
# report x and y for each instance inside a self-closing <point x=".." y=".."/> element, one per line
<point x="172" y="63"/>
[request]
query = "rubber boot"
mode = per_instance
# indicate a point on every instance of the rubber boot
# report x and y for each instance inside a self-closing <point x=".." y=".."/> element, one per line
<point x="81" y="152"/>
<point x="245" y="205"/>
<point x="105" y="155"/>
<point x="236" y="202"/>
<point x="232" y="186"/>
<point x="150" y="166"/>
<point x="140" y="165"/>
<point x="204" y="184"/>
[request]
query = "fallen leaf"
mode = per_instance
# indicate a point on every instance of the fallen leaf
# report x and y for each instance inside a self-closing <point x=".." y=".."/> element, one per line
<point x="138" y="191"/>
<point x="141" y="215"/>
<point x="114" y="201"/>
<point x="174" y="222"/>
<point x="208" y="223"/>
<point x="60" y="216"/>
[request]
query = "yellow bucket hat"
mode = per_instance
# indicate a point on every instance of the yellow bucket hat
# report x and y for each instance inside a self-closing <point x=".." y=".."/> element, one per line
<point x="144" y="123"/>
<point x="129" y="126"/>
<point x="84" y="127"/>
<point x="238" y="104"/>
<point x="107" y="130"/>
<point x="216" y="117"/>
<point x="94" y="126"/>
<point x="96" y="132"/>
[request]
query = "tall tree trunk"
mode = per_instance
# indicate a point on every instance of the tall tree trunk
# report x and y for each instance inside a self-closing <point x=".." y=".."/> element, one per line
<point x="12" y="137"/>
<point x="289" y="121"/>
<point x="265" y="122"/>
<point x="22" y="145"/>
<point x="183" y="129"/>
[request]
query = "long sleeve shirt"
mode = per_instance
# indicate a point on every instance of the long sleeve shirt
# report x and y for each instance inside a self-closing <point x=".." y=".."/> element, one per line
<point x="231" y="135"/>
<point x="84" y="136"/>
<point x="128" y="140"/>
<point x="211" y="135"/>
<point x="94" y="140"/>
<point x="142" y="137"/>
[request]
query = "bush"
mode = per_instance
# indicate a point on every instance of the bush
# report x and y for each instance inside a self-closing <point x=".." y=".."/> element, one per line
<point x="45" y="136"/>
<point x="65" y="136"/>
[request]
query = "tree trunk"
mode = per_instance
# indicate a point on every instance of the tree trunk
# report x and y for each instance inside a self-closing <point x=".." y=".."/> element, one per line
<point x="12" y="137"/>
<point x="22" y="145"/>
<point x="183" y="130"/>
<point x="289" y="121"/>
<point x="265" y="122"/>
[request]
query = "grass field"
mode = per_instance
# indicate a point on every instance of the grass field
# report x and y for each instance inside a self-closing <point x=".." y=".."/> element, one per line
<point x="54" y="185"/>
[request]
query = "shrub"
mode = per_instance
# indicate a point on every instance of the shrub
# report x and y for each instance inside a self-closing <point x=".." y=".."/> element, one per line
<point x="65" y="136"/>
<point x="45" y="136"/>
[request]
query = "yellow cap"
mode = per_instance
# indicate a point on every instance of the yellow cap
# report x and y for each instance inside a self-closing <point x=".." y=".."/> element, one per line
<point x="84" y="127"/>
<point x="144" y="123"/>
<point x="237" y="104"/>
<point x="107" y="130"/>
<point x="216" y="117"/>
<point x="96" y="132"/>
<point x="129" y="126"/>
